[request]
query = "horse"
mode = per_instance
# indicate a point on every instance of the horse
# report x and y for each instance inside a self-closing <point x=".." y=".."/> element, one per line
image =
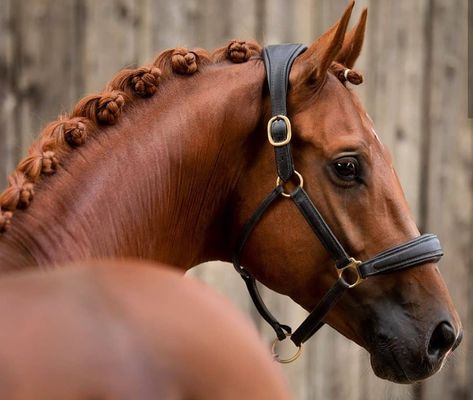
<point x="127" y="330"/>
<point x="171" y="159"/>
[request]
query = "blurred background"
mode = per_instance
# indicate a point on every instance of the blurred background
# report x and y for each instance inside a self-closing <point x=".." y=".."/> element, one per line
<point x="414" y="63"/>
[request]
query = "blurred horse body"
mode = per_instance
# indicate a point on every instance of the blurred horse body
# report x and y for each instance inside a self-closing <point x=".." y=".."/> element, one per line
<point x="127" y="330"/>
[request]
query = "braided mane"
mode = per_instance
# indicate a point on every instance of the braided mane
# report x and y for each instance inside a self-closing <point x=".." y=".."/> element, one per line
<point x="59" y="138"/>
<point x="72" y="130"/>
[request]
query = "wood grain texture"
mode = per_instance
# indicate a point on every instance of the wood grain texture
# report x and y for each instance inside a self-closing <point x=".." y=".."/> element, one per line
<point x="414" y="64"/>
<point x="44" y="64"/>
<point x="394" y="84"/>
<point x="8" y="100"/>
<point x="449" y="177"/>
<point x="108" y="42"/>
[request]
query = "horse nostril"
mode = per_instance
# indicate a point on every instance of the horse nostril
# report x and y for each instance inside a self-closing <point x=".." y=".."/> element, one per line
<point x="442" y="340"/>
<point x="458" y="340"/>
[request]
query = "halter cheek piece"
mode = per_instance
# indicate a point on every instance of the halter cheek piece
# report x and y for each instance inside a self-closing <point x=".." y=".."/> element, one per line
<point x="278" y="60"/>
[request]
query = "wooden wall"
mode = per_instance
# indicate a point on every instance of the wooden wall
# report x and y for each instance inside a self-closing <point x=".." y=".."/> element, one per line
<point x="415" y="66"/>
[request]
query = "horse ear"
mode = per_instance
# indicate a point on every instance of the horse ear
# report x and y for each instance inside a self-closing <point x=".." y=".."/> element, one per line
<point x="353" y="43"/>
<point x="316" y="60"/>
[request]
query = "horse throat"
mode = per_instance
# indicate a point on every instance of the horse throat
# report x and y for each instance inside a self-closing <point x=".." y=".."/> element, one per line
<point x="155" y="185"/>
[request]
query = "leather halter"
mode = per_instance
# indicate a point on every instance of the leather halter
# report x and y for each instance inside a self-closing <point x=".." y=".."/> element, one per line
<point x="278" y="60"/>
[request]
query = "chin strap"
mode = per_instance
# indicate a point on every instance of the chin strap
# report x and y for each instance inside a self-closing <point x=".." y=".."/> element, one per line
<point x="351" y="272"/>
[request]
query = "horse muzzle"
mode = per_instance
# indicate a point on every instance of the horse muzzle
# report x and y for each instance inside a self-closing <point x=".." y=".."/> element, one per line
<point x="404" y="355"/>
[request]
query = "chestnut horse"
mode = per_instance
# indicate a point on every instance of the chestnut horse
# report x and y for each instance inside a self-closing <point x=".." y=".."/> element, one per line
<point x="169" y="161"/>
<point x="111" y="330"/>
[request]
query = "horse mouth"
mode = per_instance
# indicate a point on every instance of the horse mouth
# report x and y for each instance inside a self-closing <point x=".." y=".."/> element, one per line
<point x="399" y="365"/>
<point x="390" y="368"/>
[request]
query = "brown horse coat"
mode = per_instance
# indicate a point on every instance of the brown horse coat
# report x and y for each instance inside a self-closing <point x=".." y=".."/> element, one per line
<point x="122" y="330"/>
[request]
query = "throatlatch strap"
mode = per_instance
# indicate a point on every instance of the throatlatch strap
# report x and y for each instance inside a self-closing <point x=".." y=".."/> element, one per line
<point x="250" y="225"/>
<point x="279" y="328"/>
<point x="278" y="61"/>
<point x="250" y="282"/>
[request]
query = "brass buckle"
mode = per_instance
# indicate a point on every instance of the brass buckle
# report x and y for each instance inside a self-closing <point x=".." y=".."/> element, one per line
<point x="346" y="273"/>
<point x="288" y="130"/>
<point x="276" y="356"/>
<point x="301" y="183"/>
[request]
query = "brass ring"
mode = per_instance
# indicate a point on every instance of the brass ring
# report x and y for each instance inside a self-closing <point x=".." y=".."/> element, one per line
<point x="352" y="266"/>
<point x="301" y="183"/>
<point x="285" y="360"/>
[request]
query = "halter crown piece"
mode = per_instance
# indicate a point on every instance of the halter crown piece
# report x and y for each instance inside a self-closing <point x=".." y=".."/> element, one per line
<point x="278" y="60"/>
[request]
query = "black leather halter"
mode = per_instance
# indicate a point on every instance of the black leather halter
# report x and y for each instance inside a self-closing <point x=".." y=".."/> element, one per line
<point x="278" y="60"/>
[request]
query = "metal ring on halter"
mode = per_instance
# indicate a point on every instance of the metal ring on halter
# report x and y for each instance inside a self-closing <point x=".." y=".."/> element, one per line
<point x="352" y="268"/>
<point x="301" y="183"/>
<point x="285" y="360"/>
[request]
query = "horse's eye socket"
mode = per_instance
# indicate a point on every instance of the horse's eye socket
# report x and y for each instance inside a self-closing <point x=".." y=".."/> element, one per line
<point x="347" y="168"/>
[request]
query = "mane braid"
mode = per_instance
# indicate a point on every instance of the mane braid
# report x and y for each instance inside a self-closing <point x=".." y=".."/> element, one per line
<point x="72" y="130"/>
<point x="352" y="76"/>
<point x="237" y="51"/>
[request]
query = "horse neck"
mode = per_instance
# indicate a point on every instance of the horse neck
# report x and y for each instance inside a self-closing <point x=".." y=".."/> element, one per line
<point x="153" y="186"/>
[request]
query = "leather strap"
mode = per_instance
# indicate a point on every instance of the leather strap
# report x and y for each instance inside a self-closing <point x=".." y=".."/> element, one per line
<point x="278" y="328"/>
<point x="320" y="227"/>
<point x="249" y="226"/>
<point x="278" y="61"/>
<point x="250" y="281"/>
<point x="314" y="321"/>
<point x="416" y="251"/>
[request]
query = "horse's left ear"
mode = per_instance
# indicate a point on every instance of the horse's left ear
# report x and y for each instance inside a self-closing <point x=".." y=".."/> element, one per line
<point x="353" y="43"/>
<point x="316" y="60"/>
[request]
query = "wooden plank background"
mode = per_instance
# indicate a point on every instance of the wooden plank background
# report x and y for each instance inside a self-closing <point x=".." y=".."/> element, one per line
<point x="415" y="67"/>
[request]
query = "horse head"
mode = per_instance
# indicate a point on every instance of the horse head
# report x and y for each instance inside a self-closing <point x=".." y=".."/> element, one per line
<point x="405" y="319"/>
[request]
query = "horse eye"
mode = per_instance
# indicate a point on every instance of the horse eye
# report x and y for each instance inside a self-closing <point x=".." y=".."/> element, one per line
<point x="347" y="168"/>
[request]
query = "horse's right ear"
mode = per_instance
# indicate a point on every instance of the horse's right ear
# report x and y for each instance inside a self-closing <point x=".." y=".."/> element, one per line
<point x="353" y="43"/>
<point x="314" y="63"/>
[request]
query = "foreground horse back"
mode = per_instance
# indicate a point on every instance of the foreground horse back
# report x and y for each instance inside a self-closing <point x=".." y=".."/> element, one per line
<point x="130" y="332"/>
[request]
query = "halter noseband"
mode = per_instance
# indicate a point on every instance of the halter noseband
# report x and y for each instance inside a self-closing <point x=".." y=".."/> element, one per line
<point x="278" y="61"/>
